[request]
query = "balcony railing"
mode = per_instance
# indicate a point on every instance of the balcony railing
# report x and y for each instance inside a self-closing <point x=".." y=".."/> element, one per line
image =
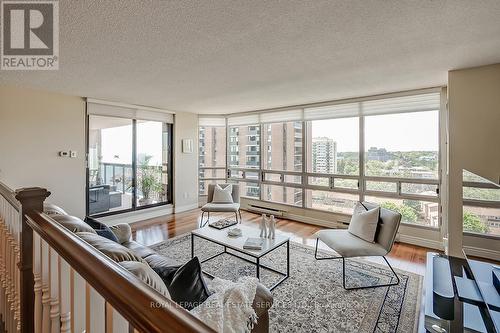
<point x="120" y="176"/>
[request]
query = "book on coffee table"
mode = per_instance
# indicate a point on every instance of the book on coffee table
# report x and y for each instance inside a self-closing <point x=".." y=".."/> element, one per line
<point x="253" y="243"/>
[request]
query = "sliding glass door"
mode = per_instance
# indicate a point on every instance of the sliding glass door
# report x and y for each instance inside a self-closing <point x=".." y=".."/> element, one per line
<point x="129" y="164"/>
<point x="152" y="157"/>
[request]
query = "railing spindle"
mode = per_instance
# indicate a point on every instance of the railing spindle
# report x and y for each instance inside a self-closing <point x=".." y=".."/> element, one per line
<point x="79" y="308"/>
<point x="55" y="320"/>
<point x="96" y="316"/>
<point x="45" y="287"/>
<point x="37" y="272"/>
<point x="65" y="296"/>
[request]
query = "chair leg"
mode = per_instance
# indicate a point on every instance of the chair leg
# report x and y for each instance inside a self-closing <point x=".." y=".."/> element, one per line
<point x="372" y="286"/>
<point x="344" y="276"/>
<point x="239" y="212"/>
<point x="201" y="220"/>
<point x="208" y="219"/>
<point x="322" y="258"/>
<point x="236" y="214"/>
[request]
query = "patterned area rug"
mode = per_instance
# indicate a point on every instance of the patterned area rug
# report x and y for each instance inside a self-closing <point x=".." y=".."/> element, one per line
<point x="312" y="298"/>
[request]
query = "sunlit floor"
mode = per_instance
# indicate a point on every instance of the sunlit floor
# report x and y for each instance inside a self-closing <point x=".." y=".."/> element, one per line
<point x="403" y="256"/>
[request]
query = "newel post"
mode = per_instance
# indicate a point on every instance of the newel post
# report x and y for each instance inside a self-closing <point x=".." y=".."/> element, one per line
<point x="31" y="199"/>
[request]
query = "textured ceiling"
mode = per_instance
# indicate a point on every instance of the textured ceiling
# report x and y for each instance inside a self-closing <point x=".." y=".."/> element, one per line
<point x="217" y="56"/>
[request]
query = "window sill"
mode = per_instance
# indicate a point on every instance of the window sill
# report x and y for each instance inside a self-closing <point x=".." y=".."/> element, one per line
<point x="473" y="234"/>
<point x="419" y="226"/>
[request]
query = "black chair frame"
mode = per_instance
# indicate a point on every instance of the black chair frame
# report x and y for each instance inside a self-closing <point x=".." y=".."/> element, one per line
<point x="202" y="224"/>
<point x="343" y="271"/>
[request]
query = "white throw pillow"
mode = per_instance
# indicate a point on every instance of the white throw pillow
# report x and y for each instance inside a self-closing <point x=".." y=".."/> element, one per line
<point x="223" y="195"/>
<point x="364" y="222"/>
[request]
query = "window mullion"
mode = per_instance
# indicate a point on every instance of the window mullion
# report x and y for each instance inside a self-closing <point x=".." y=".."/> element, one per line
<point x="361" y="154"/>
<point x="261" y="161"/>
<point x="134" y="164"/>
<point x="305" y="133"/>
<point x="228" y="172"/>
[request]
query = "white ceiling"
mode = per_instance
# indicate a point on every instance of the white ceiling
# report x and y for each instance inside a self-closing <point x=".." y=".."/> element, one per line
<point x="218" y="56"/>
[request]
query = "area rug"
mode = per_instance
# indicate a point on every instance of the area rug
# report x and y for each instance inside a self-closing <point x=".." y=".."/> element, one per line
<point x="312" y="298"/>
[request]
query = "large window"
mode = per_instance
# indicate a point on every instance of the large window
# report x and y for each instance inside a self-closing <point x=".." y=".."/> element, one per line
<point x="153" y="159"/>
<point x="244" y="147"/>
<point x="330" y="156"/>
<point x="282" y="156"/>
<point x="334" y="146"/>
<point x="402" y="145"/>
<point x="401" y="164"/>
<point x="212" y="153"/>
<point x="129" y="163"/>
<point x="282" y="146"/>
<point x="244" y="158"/>
<point x="110" y="164"/>
<point x="481" y="210"/>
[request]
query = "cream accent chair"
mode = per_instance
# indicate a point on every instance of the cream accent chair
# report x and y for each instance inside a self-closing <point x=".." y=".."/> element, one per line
<point x="349" y="246"/>
<point x="213" y="207"/>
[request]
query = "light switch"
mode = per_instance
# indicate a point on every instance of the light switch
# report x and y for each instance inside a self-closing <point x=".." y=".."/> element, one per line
<point x="72" y="154"/>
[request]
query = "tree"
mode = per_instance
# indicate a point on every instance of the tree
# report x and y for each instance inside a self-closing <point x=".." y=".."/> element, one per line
<point x="413" y="204"/>
<point x="473" y="223"/>
<point x="408" y="213"/>
<point x="149" y="179"/>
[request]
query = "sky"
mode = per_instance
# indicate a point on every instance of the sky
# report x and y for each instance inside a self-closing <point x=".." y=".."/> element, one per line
<point x="398" y="132"/>
<point x="117" y="143"/>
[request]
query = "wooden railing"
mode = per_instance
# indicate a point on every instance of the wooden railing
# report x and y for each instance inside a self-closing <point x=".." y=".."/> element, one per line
<point x="53" y="281"/>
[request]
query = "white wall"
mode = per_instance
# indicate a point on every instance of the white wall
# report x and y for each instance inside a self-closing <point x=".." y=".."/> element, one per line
<point x="185" y="165"/>
<point x="34" y="127"/>
<point x="474" y="143"/>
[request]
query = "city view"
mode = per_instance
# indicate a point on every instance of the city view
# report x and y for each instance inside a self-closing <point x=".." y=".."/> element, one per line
<point x="401" y="174"/>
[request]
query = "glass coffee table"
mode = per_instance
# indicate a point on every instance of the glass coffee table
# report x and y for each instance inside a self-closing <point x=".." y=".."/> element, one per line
<point x="220" y="237"/>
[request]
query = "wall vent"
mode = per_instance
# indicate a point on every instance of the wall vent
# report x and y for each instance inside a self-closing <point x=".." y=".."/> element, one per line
<point x="265" y="210"/>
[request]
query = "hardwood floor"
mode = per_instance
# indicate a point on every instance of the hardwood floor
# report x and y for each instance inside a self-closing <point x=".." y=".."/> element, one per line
<point x="403" y="256"/>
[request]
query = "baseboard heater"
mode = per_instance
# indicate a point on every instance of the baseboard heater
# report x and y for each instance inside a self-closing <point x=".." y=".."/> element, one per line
<point x="265" y="210"/>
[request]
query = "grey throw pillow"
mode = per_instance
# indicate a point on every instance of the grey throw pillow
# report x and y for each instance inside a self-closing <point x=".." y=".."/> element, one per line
<point x="364" y="222"/>
<point x="147" y="275"/>
<point x="223" y="195"/>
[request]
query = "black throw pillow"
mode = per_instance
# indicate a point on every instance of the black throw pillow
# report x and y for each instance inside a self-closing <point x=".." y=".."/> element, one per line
<point x="185" y="284"/>
<point x="101" y="229"/>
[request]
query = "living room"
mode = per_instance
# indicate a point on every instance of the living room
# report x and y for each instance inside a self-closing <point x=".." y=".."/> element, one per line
<point x="319" y="164"/>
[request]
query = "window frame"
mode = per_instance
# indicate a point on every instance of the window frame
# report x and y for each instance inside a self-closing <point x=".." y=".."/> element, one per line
<point x="361" y="177"/>
<point x="226" y="145"/>
<point x="134" y="207"/>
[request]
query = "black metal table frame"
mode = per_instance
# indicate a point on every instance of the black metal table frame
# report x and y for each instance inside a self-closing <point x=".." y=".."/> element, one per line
<point x="257" y="263"/>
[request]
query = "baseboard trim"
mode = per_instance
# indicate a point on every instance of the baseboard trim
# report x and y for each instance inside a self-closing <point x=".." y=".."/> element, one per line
<point x="482" y="253"/>
<point x="180" y="209"/>
<point x="419" y="241"/>
<point x="313" y="221"/>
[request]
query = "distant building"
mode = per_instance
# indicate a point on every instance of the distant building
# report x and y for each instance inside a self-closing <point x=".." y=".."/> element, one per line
<point x="378" y="154"/>
<point x="431" y="213"/>
<point x="283" y="151"/>
<point x="324" y="155"/>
